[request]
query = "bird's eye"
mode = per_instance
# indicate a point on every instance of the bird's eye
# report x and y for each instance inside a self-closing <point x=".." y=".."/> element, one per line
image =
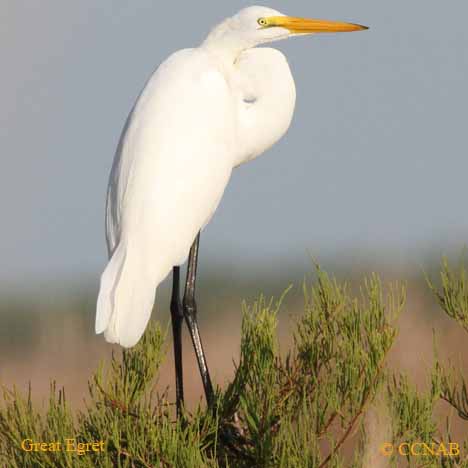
<point x="262" y="22"/>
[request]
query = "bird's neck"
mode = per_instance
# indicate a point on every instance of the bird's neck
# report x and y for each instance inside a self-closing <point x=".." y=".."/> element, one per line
<point x="226" y="45"/>
<point x="224" y="49"/>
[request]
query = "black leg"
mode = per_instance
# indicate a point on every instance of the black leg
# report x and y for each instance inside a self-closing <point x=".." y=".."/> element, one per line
<point x="190" y="313"/>
<point x="177" y="316"/>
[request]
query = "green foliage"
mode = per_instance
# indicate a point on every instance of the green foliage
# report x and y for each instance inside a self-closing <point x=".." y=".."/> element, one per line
<point x="282" y="409"/>
<point x="413" y="416"/>
<point x="453" y="295"/>
<point x="453" y="299"/>
<point x="414" y="411"/>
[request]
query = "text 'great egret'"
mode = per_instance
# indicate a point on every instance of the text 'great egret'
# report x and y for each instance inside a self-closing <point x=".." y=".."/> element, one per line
<point x="203" y="112"/>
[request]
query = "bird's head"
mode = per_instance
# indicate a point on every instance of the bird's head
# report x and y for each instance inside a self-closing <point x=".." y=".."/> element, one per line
<point x="258" y="25"/>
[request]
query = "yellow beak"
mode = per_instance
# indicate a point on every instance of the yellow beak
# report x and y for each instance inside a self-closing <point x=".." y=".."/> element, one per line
<point x="309" y="25"/>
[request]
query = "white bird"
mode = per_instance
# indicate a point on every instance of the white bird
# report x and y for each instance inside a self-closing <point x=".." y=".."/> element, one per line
<point x="203" y="112"/>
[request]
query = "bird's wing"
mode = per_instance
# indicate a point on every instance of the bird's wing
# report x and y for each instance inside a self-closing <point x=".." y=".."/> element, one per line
<point x="112" y="212"/>
<point x="173" y="163"/>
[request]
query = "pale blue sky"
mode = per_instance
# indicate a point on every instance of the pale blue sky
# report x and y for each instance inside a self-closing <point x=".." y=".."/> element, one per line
<point x="375" y="159"/>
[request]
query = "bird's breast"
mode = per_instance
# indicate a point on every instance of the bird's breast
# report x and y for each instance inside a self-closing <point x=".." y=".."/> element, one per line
<point x="265" y="97"/>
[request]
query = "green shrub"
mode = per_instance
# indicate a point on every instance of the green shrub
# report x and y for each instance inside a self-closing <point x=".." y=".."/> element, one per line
<point x="283" y="408"/>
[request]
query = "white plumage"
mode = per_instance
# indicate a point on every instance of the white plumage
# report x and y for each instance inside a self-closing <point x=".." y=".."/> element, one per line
<point x="203" y="112"/>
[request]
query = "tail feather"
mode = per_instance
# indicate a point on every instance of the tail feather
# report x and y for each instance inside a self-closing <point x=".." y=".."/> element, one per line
<point x="126" y="298"/>
<point x="109" y="280"/>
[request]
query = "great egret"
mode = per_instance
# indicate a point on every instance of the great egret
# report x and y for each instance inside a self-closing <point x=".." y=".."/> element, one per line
<point x="203" y="112"/>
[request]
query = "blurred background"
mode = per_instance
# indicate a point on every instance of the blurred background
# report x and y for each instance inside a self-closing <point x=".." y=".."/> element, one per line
<point x="370" y="177"/>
